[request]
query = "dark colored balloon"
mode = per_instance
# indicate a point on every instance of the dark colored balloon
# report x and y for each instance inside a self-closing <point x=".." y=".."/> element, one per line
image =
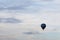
<point x="43" y="26"/>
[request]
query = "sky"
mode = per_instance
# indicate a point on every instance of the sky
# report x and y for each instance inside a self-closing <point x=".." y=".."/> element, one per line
<point x="33" y="6"/>
<point x="32" y="11"/>
<point x="22" y="19"/>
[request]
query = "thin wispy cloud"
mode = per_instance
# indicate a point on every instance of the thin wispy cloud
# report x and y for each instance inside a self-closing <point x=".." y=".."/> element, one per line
<point x="30" y="5"/>
<point x="9" y="20"/>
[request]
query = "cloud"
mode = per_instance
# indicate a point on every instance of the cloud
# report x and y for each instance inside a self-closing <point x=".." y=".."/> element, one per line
<point x="9" y="20"/>
<point x="33" y="6"/>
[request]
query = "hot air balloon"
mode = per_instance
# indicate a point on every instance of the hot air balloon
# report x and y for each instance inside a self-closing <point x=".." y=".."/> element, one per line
<point x="43" y="26"/>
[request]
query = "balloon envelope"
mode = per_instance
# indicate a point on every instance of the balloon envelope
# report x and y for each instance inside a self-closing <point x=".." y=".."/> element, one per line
<point x="43" y="26"/>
